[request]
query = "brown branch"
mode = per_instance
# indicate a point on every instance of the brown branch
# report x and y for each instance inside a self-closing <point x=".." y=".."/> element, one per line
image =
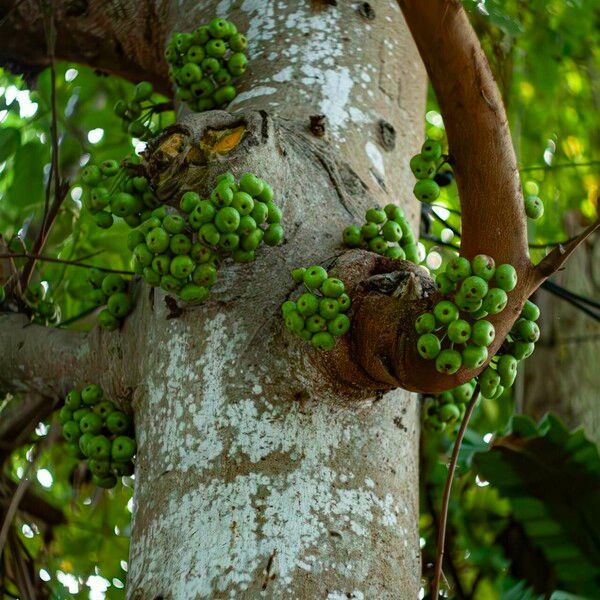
<point x="446" y="496"/>
<point x="110" y="36"/>
<point x="50" y="361"/>
<point x="492" y="207"/>
<point x="479" y="139"/>
<point x="460" y="593"/>
<point x="61" y="261"/>
<point x="382" y="351"/>
<point x="45" y="229"/>
<point x="23" y="571"/>
<point x="16" y="498"/>
<point x="574" y="165"/>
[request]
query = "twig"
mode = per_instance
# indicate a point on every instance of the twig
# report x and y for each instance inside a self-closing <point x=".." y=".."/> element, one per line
<point x="546" y="244"/>
<point x="438" y="242"/>
<point x="445" y="223"/>
<point x="550" y="285"/>
<point x="16" y="499"/>
<point x="454" y="211"/>
<point x="10" y="11"/>
<point x="22" y="488"/>
<point x="441" y="540"/>
<point x="459" y="589"/>
<point x="559" y="166"/>
<point x="162" y="107"/>
<point x="22" y="573"/>
<point x="60" y="190"/>
<point x="77" y="317"/>
<point x="73" y="263"/>
<point x="531" y="245"/>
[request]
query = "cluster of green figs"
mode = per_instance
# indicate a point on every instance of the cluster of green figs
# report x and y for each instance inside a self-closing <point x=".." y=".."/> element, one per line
<point x="113" y="189"/>
<point x="203" y="64"/>
<point x="97" y="430"/>
<point x="111" y="291"/>
<point x="455" y="333"/>
<point x="318" y="314"/>
<point x="386" y="231"/>
<point x="181" y="250"/>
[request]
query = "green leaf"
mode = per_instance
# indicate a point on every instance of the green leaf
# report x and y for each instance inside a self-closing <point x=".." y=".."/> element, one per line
<point x="10" y="139"/>
<point x="27" y="188"/>
<point x="552" y="479"/>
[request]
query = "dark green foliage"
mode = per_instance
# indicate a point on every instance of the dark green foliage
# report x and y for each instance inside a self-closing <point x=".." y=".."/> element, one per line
<point x="552" y="479"/>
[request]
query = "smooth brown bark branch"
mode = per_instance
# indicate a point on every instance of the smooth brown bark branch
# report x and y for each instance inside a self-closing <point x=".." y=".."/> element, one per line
<point x="492" y="207"/>
<point x="485" y="165"/>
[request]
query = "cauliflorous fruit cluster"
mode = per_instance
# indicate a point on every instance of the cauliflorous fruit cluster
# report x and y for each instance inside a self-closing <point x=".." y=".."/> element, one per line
<point x="182" y="254"/>
<point x="443" y="411"/>
<point x="96" y="429"/>
<point x="455" y="334"/>
<point x="427" y="168"/>
<point x="386" y="231"/>
<point x="44" y="309"/>
<point x="137" y="113"/>
<point x="117" y="190"/>
<point x="317" y="315"/>
<point x="110" y="290"/>
<point x="204" y="63"/>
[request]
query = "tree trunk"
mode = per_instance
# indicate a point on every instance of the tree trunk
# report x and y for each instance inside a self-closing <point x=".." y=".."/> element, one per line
<point x="258" y="473"/>
<point x="562" y="375"/>
<point x="255" y="469"/>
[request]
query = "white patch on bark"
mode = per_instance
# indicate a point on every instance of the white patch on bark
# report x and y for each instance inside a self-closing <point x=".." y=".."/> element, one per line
<point x="336" y="94"/>
<point x="230" y="528"/>
<point x="233" y="527"/>
<point x="262" y="24"/>
<point x="284" y="75"/>
<point x="261" y="90"/>
<point x="375" y="157"/>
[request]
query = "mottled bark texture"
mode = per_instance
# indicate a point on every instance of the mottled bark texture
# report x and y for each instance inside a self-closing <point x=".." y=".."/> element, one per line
<point x="259" y="473"/>
<point x="563" y="375"/>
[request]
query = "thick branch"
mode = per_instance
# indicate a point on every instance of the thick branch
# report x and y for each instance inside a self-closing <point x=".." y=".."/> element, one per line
<point x="124" y="38"/>
<point x="493" y="216"/>
<point x="480" y="145"/>
<point x="50" y="361"/>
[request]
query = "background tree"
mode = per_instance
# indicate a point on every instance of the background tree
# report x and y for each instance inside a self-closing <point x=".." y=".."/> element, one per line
<point x="244" y="441"/>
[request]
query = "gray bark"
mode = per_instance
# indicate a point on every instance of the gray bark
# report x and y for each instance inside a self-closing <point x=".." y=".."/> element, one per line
<point x="259" y="474"/>
<point x="563" y="375"/>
